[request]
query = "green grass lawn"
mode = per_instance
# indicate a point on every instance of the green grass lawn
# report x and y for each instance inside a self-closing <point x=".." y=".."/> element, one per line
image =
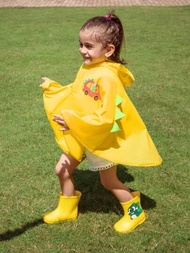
<point x="36" y="42"/>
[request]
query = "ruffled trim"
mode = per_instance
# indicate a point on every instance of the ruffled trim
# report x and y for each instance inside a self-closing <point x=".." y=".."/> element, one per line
<point x="102" y="168"/>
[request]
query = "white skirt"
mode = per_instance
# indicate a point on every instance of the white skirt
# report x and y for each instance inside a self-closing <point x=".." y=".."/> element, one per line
<point x="97" y="163"/>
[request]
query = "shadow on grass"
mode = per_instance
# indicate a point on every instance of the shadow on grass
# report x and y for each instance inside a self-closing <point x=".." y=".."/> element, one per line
<point x="10" y="234"/>
<point x="94" y="199"/>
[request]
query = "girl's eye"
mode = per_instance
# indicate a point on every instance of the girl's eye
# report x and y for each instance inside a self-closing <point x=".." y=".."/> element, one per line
<point x="89" y="46"/>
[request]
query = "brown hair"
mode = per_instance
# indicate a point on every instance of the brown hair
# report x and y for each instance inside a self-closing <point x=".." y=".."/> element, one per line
<point x="108" y="30"/>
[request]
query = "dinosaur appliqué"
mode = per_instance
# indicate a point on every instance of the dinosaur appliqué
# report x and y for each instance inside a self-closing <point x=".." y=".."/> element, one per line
<point x="92" y="89"/>
<point x="134" y="210"/>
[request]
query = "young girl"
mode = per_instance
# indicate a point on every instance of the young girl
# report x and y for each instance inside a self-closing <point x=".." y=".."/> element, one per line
<point x="98" y="123"/>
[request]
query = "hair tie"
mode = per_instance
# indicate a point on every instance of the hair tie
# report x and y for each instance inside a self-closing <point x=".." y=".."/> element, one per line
<point x="107" y="17"/>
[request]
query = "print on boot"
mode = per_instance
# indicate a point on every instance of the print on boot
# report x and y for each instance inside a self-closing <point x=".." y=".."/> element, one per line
<point x="134" y="210"/>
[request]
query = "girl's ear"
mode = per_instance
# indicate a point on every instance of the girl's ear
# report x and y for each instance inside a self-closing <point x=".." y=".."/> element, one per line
<point x="109" y="50"/>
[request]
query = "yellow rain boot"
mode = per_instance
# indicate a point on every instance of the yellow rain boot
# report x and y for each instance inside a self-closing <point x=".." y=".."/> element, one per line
<point x="67" y="209"/>
<point x="133" y="215"/>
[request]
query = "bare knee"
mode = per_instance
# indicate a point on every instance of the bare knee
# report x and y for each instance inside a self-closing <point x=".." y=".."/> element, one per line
<point x="107" y="183"/>
<point x="109" y="178"/>
<point x="65" y="166"/>
<point x="60" y="170"/>
<point x="63" y="171"/>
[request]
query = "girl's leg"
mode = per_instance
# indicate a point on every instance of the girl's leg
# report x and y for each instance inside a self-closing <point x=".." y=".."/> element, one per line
<point x="64" y="170"/>
<point x="67" y="208"/>
<point x="111" y="182"/>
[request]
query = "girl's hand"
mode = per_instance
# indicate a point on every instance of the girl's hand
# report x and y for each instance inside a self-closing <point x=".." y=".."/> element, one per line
<point x="59" y="119"/>
<point x="45" y="79"/>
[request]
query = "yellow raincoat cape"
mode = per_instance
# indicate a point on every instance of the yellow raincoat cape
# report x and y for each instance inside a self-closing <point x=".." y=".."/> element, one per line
<point x="100" y="116"/>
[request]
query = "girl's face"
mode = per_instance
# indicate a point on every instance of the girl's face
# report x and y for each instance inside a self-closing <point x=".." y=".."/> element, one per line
<point x="91" y="50"/>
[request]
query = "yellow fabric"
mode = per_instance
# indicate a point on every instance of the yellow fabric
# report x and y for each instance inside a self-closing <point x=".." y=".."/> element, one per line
<point x="100" y="116"/>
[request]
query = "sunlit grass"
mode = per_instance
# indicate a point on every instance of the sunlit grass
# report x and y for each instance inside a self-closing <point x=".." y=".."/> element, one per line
<point x="36" y="42"/>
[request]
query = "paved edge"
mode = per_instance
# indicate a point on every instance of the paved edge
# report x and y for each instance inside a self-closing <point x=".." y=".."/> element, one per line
<point x="91" y="3"/>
